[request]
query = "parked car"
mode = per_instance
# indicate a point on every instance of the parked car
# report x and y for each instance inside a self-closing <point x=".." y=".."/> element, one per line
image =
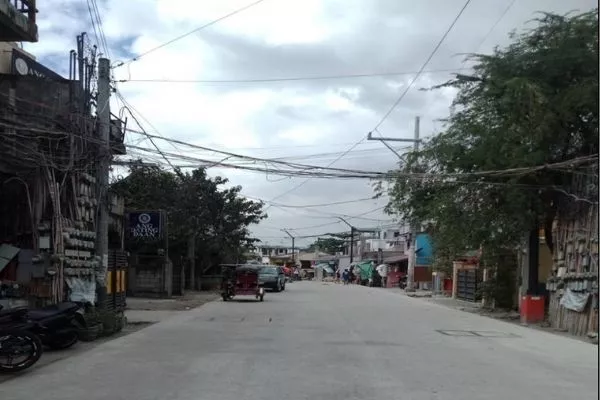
<point x="272" y="277"/>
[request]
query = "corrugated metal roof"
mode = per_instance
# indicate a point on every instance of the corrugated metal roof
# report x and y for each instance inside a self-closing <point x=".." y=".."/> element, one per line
<point x="395" y="259"/>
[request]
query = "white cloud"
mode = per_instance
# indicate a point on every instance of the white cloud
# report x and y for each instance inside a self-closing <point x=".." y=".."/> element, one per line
<point x="285" y="38"/>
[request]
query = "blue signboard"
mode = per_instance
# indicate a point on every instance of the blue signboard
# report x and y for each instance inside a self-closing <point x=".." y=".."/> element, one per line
<point x="145" y="225"/>
<point x="424" y="250"/>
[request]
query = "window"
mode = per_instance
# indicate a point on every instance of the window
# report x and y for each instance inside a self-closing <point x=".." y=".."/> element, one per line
<point x="264" y="251"/>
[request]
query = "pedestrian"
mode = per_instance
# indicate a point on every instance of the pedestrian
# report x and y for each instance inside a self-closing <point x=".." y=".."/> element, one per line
<point x="296" y="274"/>
<point x="382" y="270"/>
<point x="345" y="276"/>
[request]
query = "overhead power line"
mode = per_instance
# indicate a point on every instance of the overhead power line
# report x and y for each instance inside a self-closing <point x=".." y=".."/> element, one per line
<point x="412" y="82"/>
<point x="125" y="105"/>
<point x="308" y="179"/>
<point x="500" y="18"/>
<point x="391" y="109"/>
<point x="290" y="79"/>
<point x="325" y="172"/>
<point x="335" y="203"/>
<point x="211" y="23"/>
<point x="252" y="158"/>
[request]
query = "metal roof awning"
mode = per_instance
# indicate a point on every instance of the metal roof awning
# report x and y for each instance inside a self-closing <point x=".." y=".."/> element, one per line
<point x="7" y="253"/>
<point x="395" y="259"/>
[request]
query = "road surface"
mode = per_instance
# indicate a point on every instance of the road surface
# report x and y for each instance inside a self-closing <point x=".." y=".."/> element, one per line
<point x="322" y="342"/>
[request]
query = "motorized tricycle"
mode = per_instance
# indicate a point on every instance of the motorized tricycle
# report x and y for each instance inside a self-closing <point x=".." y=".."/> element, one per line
<point x="241" y="280"/>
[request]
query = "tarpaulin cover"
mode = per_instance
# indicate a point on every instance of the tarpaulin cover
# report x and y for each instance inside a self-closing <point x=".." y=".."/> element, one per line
<point x="7" y="253"/>
<point x="82" y="290"/>
<point x="366" y="270"/>
<point x="574" y="301"/>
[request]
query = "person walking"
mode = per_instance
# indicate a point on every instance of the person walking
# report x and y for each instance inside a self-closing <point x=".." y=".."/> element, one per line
<point x="345" y="276"/>
<point x="382" y="270"/>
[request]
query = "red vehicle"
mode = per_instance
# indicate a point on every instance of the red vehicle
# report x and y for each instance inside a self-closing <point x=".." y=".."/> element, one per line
<point x="288" y="271"/>
<point x="241" y="280"/>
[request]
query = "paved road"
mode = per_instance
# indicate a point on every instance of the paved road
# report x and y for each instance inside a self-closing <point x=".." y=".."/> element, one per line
<point x="318" y="341"/>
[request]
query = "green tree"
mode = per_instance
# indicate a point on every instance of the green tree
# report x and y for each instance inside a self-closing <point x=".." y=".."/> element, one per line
<point x="328" y="245"/>
<point x="532" y="103"/>
<point x="196" y="206"/>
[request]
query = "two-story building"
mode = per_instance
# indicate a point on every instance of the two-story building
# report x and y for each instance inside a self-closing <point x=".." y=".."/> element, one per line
<point x="275" y="253"/>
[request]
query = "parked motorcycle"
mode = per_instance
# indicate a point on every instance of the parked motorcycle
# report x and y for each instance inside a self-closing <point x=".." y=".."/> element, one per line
<point x="56" y="326"/>
<point x="402" y="282"/>
<point x="19" y="350"/>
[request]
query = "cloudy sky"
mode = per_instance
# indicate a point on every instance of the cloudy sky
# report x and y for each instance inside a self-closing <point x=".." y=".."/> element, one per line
<point x="310" y="121"/>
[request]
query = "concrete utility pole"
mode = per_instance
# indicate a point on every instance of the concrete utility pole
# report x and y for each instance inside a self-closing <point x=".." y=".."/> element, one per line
<point x="191" y="256"/>
<point x="293" y="245"/>
<point x="352" y="230"/>
<point x="102" y="170"/>
<point x="412" y="254"/>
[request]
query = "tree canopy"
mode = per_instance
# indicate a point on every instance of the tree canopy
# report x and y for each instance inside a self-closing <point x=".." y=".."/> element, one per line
<point x="196" y="205"/>
<point x="328" y="245"/>
<point x="532" y="103"/>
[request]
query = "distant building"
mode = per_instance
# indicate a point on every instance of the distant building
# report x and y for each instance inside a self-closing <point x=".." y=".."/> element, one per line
<point x="270" y="253"/>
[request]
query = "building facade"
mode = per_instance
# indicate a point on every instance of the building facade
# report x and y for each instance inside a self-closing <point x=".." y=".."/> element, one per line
<point x="49" y="157"/>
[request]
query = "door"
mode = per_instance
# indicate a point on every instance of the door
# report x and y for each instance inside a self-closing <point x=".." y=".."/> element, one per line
<point x="468" y="284"/>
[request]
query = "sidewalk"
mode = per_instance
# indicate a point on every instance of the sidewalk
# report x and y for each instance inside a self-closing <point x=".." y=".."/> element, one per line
<point x="509" y="316"/>
<point x="140" y="313"/>
<point x="147" y="310"/>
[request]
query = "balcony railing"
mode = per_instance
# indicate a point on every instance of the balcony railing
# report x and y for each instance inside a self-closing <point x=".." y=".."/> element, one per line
<point x="18" y="21"/>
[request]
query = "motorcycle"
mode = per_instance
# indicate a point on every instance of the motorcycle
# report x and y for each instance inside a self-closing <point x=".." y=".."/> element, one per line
<point x="16" y="344"/>
<point x="56" y="326"/>
<point x="402" y="282"/>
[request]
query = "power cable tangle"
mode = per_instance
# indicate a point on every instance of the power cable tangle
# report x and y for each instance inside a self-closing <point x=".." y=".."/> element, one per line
<point x="328" y="172"/>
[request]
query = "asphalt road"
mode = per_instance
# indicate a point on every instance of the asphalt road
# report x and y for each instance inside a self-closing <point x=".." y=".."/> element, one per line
<point x="322" y="341"/>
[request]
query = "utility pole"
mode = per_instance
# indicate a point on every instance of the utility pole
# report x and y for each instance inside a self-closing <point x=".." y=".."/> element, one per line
<point x="102" y="172"/>
<point x="412" y="254"/>
<point x="293" y="246"/>
<point x="191" y="256"/>
<point x="352" y="230"/>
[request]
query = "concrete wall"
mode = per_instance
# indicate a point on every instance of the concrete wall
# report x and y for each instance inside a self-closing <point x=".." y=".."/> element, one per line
<point x="150" y="275"/>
